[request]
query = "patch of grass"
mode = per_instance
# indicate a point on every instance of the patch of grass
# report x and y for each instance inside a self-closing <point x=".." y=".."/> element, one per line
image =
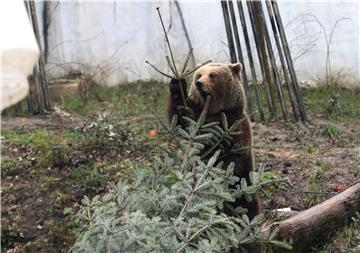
<point x="44" y="148"/>
<point x="309" y="148"/>
<point x="127" y="99"/>
<point x="314" y="196"/>
<point x="88" y="178"/>
<point x="357" y="167"/>
<point x="40" y="139"/>
<point x="268" y="191"/>
<point x="260" y="158"/>
<point x="337" y="136"/>
<point x="319" y="174"/>
<point x="62" y="199"/>
<point x="7" y="165"/>
<point x="334" y="103"/>
<point x="272" y="147"/>
<point x="46" y="180"/>
<point x="8" y="235"/>
<point x="330" y="131"/>
<point x="316" y="192"/>
<point x="331" y="102"/>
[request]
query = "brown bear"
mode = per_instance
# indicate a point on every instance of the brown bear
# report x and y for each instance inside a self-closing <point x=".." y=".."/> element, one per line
<point x="222" y="82"/>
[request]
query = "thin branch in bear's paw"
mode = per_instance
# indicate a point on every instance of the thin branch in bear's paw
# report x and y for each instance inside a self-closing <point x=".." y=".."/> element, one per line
<point x="182" y="93"/>
<point x="159" y="71"/>
<point x="186" y="61"/>
<point x="167" y="41"/>
<point x="170" y="65"/>
<point x="194" y="69"/>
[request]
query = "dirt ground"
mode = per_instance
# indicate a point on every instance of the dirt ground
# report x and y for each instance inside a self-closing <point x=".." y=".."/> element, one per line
<point x="304" y="156"/>
<point x="316" y="160"/>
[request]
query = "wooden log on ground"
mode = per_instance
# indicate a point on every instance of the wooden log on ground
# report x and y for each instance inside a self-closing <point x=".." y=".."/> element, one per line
<point x="316" y="224"/>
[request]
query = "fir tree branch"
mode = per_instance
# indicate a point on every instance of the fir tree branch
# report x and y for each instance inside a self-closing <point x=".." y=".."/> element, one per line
<point x="197" y="233"/>
<point x="196" y="187"/>
<point x="225" y="134"/>
<point x="193" y="133"/>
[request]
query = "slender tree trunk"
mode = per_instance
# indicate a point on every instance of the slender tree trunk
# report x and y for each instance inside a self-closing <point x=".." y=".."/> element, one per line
<point x="251" y="62"/>
<point x="40" y="65"/>
<point x="289" y="61"/>
<point x="254" y="5"/>
<point x="45" y="26"/>
<point x="264" y="72"/>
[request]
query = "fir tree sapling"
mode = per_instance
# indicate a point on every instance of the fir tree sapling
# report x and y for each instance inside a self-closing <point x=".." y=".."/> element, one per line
<point x="176" y="205"/>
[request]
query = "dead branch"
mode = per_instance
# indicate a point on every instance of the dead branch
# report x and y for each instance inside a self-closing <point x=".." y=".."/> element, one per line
<point x="186" y="61"/>
<point x="157" y="70"/>
<point x="167" y="41"/>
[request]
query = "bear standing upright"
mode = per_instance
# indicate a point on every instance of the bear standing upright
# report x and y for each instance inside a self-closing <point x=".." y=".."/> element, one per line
<point x="222" y="82"/>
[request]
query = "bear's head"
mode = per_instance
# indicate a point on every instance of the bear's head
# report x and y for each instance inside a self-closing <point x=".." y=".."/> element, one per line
<point x="222" y="82"/>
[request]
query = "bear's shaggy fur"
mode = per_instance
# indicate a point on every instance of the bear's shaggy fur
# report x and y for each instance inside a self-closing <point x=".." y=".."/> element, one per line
<point x="222" y="82"/>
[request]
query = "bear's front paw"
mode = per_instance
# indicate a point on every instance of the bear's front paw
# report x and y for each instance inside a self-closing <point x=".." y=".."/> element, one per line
<point x="175" y="86"/>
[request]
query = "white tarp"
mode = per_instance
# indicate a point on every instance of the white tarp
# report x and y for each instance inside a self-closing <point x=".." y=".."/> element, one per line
<point x="19" y="51"/>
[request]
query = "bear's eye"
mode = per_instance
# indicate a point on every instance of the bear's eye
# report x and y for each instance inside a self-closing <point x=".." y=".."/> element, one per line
<point x="198" y="76"/>
<point x="212" y="76"/>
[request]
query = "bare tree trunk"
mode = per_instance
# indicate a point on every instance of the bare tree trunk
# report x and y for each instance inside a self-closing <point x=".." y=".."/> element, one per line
<point x="241" y="60"/>
<point x="316" y="224"/>
<point x="255" y="6"/>
<point x="282" y="60"/>
<point x="289" y="61"/>
<point x="46" y="23"/>
<point x="277" y="84"/>
<point x="251" y="62"/>
<point x="264" y="64"/>
<point x="229" y="35"/>
<point x="40" y="68"/>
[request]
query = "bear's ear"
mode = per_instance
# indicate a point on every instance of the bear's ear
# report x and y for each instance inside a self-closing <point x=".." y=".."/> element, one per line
<point x="236" y="68"/>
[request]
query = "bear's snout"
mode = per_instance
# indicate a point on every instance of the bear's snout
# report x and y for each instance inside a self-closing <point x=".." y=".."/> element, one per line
<point x="199" y="85"/>
<point x="202" y="89"/>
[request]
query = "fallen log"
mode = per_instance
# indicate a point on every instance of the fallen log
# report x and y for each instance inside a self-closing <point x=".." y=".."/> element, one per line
<point x="311" y="226"/>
